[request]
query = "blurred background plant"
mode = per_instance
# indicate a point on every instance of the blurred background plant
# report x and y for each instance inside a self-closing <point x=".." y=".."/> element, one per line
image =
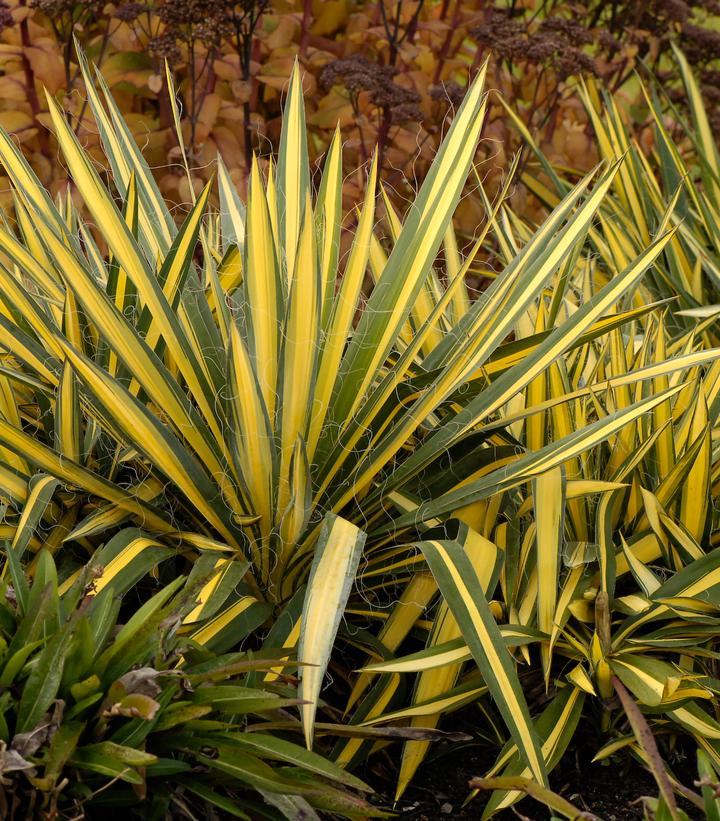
<point x="390" y="72"/>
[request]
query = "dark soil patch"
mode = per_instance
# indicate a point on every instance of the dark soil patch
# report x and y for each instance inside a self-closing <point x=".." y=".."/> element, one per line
<point x="611" y="790"/>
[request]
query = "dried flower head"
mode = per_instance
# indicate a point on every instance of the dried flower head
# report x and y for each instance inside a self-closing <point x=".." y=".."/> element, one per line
<point x="503" y="35"/>
<point x="700" y="45"/>
<point x="214" y="30"/>
<point x="165" y="47"/>
<point x="359" y="74"/>
<point x="449" y="92"/>
<point x="6" y="18"/>
<point x="186" y="12"/>
<point x="557" y="43"/>
<point x="128" y="12"/>
<point x="571" y="31"/>
<point x="58" y="8"/>
<point x="356" y="73"/>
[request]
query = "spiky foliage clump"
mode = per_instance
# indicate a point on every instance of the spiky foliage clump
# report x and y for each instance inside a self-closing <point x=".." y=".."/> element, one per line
<point x="101" y="710"/>
<point x="336" y="453"/>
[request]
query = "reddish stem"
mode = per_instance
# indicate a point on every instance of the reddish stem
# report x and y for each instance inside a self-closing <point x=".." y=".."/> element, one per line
<point x="445" y="48"/>
<point x="30" y="82"/>
<point x="305" y="28"/>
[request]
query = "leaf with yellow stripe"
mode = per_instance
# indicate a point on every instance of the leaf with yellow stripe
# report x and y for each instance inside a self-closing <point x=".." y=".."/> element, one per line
<point x="262" y="289"/>
<point x="126" y="160"/>
<point x="555" y="727"/>
<point x="695" y="494"/>
<point x="129" y="255"/>
<point x="342" y="313"/>
<point x="220" y="575"/>
<point x="461" y="589"/>
<point x="411" y="603"/>
<point x="436" y="681"/>
<point x="410" y="260"/>
<point x="67" y="415"/>
<point x="232" y="210"/>
<point x="533" y="464"/>
<point x="40" y="491"/>
<point x="255" y="452"/>
<point x="156" y="441"/>
<point x="176" y="266"/>
<point x="59" y="466"/>
<point x="549" y="500"/>
<point x="511" y="381"/>
<point x="128" y="557"/>
<point x="232" y="624"/>
<point x="337" y="555"/>
<point x="301" y="342"/>
<point x="293" y="174"/>
<point x="705" y="141"/>
<point x="328" y="215"/>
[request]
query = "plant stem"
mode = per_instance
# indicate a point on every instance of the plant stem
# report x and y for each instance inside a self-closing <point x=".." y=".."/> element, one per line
<point x="305" y="26"/>
<point x="30" y="82"/>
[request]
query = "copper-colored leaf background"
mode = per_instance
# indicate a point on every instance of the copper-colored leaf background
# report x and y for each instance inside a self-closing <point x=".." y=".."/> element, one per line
<point x="231" y="70"/>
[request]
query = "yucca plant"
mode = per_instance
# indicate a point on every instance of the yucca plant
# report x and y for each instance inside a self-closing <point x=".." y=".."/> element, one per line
<point x="609" y="560"/>
<point x="658" y="471"/>
<point x="101" y="711"/>
<point x="683" y="162"/>
<point x="616" y="572"/>
<point x="213" y="385"/>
